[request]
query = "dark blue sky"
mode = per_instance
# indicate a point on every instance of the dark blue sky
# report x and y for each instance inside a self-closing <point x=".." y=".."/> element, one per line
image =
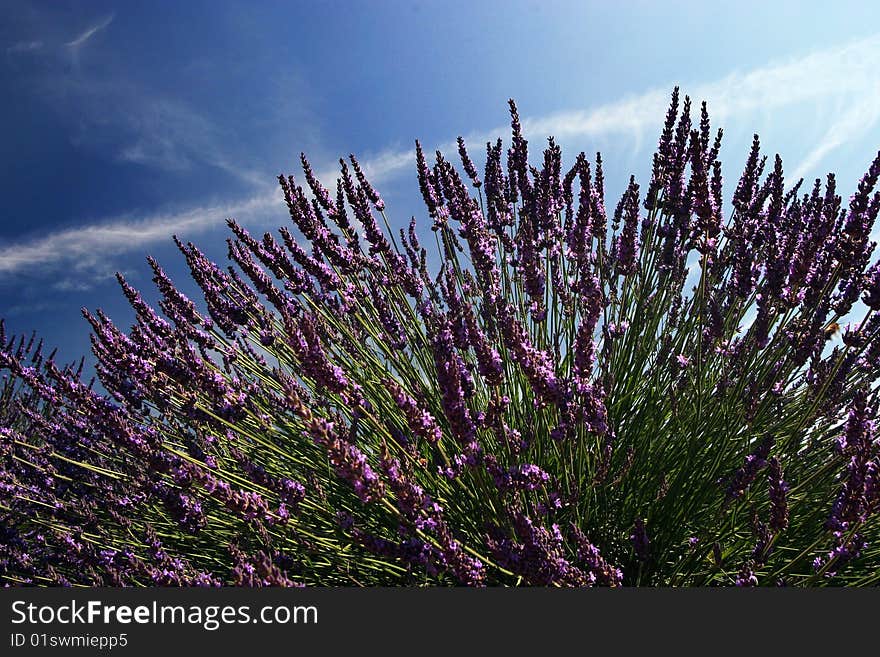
<point x="125" y="122"/>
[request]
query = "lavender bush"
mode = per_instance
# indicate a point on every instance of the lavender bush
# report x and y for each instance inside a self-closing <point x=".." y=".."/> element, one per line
<point x="563" y="395"/>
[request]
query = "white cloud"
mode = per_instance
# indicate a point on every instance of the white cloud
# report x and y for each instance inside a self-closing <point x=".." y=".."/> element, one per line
<point x="87" y="247"/>
<point x="28" y="308"/>
<point x="90" y="32"/>
<point x="115" y="115"/>
<point x="847" y="73"/>
<point x="851" y="123"/>
<point x="166" y="134"/>
<point x="139" y="126"/>
<point x="24" y="46"/>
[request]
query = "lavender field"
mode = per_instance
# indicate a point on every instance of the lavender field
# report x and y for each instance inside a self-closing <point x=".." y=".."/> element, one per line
<point x="533" y="384"/>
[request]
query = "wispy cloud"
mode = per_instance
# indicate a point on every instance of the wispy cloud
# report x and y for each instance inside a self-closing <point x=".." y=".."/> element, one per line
<point x="87" y="34"/>
<point x="28" y="308"/>
<point x="24" y="47"/>
<point x="120" y="119"/>
<point x="852" y="122"/>
<point x="166" y="134"/>
<point x="847" y="73"/>
<point x="88" y="247"/>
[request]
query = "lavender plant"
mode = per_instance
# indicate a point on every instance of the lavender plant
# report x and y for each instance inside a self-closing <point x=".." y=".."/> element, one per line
<point x="559" y="395"/>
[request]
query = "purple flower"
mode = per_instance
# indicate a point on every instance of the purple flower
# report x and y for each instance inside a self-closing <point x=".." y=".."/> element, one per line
<point x="538" y="555"/>
<point x="778" y="496"/>
<point x="419" y="421"/>
<point x="525" y="477"/>
<point x="468" y="164"/>
<point x="872" y="287"/>
<point x="627" y="250"/>
<point x="535" y="363"/>
<point x="371" y="193"/>
<point x="747" y="577"/>
<point x="743" y="478"/>
<point x="640" y="542"/>
<point x="859" y="495"/>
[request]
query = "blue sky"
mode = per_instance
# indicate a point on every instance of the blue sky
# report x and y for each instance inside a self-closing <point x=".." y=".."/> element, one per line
<point x="123" y="123"/>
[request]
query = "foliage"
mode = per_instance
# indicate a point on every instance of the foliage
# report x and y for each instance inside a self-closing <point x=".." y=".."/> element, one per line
<point x="560" y="396"/>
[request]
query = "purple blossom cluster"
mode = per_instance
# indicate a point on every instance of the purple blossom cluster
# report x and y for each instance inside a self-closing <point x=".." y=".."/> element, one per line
<point x="745" y="475"/>
<point x="341" y="407"/>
